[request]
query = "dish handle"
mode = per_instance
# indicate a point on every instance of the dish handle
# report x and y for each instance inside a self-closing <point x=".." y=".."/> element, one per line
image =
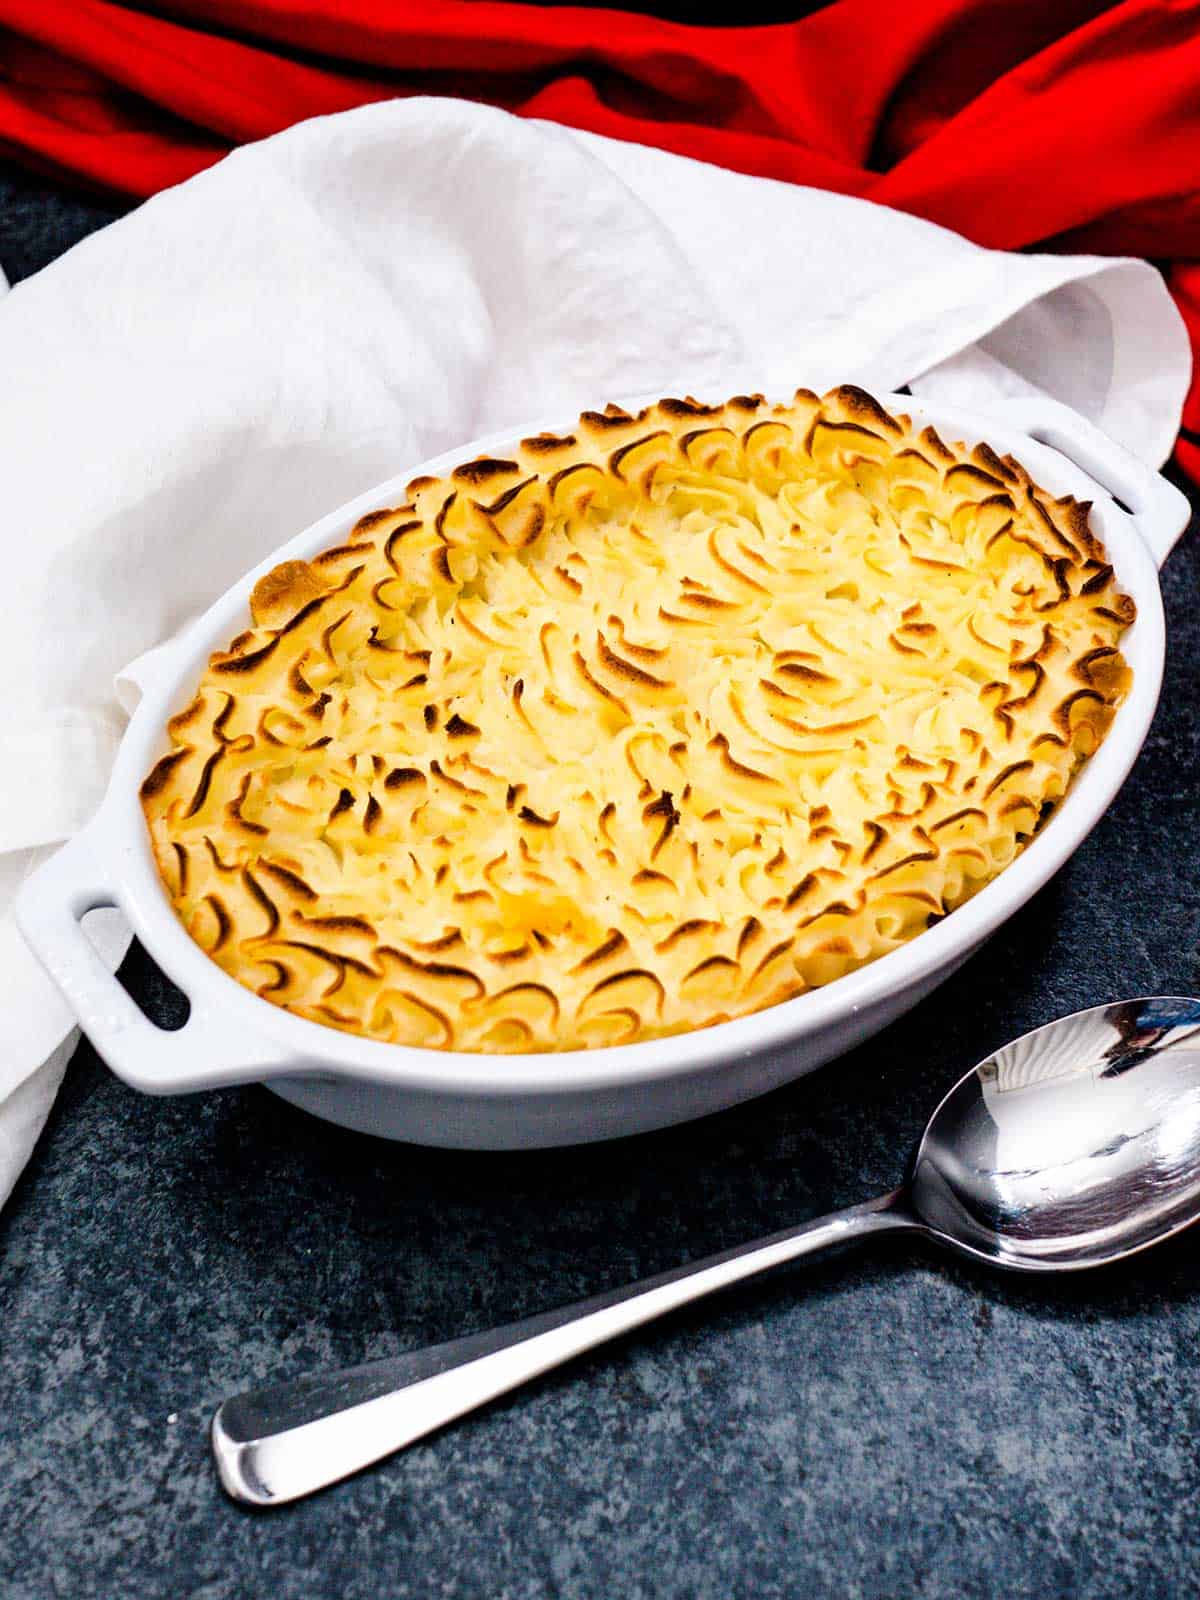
<point x="1159" y="510"/>
<point x="208" y="1051"/>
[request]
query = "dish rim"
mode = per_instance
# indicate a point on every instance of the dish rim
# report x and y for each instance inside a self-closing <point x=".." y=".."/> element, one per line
<point x="119" y="841"/>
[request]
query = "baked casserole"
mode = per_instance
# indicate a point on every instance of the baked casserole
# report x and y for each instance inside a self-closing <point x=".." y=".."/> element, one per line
<point x="638" y="728"/>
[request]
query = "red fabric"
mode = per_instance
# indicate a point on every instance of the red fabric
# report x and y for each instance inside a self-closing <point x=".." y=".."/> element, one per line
<point x="1074" y="124"/>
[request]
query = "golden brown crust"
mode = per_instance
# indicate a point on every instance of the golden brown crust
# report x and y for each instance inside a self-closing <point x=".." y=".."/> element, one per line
<point x="639" y="727"/>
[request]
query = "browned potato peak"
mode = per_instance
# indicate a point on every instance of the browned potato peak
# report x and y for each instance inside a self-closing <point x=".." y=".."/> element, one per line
<point x="638" y="728"/>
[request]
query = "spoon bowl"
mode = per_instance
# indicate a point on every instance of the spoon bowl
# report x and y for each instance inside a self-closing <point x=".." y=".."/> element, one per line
<point x="1073" y="1146"/>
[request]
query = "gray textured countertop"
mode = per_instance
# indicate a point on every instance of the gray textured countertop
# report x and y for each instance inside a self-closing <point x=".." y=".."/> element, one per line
<point x="883" y="1425"/>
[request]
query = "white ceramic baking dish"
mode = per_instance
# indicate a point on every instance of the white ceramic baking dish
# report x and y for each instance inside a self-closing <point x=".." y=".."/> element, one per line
<point x="509" y="1102"/>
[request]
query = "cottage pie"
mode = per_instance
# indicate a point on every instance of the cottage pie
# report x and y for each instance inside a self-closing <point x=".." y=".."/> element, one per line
<point x="640" y="728"/>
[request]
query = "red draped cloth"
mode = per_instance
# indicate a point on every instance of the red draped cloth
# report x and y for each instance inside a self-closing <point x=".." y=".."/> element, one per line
<point x="1065" y="124"/>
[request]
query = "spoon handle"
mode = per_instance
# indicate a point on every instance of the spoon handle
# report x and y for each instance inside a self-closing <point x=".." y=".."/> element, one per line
<point x="278" y="1443"/>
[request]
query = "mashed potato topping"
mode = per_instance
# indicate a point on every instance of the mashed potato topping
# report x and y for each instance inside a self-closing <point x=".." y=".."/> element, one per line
<point x="638" y="728"/>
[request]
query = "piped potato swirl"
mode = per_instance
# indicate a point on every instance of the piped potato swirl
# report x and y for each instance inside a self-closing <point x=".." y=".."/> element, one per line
<point x="638" y="728"/>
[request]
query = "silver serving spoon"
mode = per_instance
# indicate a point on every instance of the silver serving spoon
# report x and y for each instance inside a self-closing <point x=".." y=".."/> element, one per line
<point x="1073" y="1146"/>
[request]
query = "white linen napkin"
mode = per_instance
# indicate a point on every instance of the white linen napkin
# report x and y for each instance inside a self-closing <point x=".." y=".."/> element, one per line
<point x="195" y="383"/>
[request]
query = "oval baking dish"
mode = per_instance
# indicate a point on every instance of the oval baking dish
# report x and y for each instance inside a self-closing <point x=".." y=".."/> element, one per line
<point x="479" y="1101"/>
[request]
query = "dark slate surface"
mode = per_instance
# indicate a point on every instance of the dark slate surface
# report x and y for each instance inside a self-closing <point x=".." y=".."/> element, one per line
<point x="884" y="1425"/>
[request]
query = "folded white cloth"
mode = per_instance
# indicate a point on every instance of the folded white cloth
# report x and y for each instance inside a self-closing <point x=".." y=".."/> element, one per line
<point x="200" y="380"/>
